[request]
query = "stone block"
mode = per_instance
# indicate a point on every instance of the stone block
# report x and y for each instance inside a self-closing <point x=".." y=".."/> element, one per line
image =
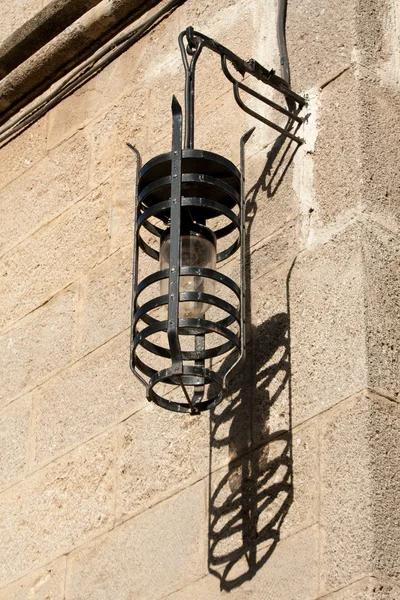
<point x="319" y="53"/>
<point x="264" y="496"/>
<point x="148" y="557"/>
<point x="359" y="490"/>
<point x="52" y="511"/>
<point x="368" y="588"/>
<point x="379" y="110"/>
<point x="75" y="111"/>
<point x="327" y="314"/>
<point x="160" y="452"/>
<point x="337" y="173"/>
<point x="158" y="112"/>
<point x="143" y="61"/>
<point x="45" y="584"/>
<point x="14" y="436"/>
<point x="44" y="191"/>
<point x="95" y="393"/>
<point x="220" y="126"/>
<point x="37" y="346"/>
<point x="125" y="121"/>
<point x="153" y="54"/>
<point x="381" y="250"/>
<point x="304" y="454"/>
<point x="122" y="206"/>
<point x="236" y="26"/>
<point x="270" y="200"/>
<point x="268" y="389"/>
<point x="23" y="152"/>
<point x="274" y="251"/>
<point x="107" y="292"/>
<point x="372" y="33"/>
<point x="103" y="93"/>
<point x="55" y="256"/>
<point x="288" y="572"/>
<point x="259" y="400"/>
<point x="358" y="116"/>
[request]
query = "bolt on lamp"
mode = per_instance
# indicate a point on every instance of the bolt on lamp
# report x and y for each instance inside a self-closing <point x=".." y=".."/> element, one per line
<point x="188" y="319"/>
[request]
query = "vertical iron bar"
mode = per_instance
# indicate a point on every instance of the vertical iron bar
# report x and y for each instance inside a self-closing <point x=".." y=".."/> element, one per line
<point x="194" y="51"/>
<point x="175" y="238"/>
<point x="135" y="263"/>
<point x="243" y="140"/>
<point x="189" y="109"/>
<point x="199" y="346"/>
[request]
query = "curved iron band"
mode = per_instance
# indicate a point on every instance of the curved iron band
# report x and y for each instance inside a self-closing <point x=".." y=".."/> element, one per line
<point x="158" y="231"/>
<point x="198" y="271"/>
<point x="195" y="178"/>
<point x="207" y="375"/>
<point x="213" y="205"/>
<point x="201" y="297"/>
<point x="199" y="324"/>
<point x="197" y="201"/>
<point x="188" y="296"/>
<point x="189" y="354"/>
<point x="188" y="154"/>
<point x="184" y="271"/>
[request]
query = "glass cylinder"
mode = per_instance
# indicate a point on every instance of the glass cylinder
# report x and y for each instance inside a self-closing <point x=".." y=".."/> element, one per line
<point x="198" y="249"/>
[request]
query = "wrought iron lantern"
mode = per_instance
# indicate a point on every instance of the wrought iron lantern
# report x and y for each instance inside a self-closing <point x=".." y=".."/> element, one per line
<point x="188" y="318"/>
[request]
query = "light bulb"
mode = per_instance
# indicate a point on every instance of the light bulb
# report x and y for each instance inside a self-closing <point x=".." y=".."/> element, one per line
<point x="198" y="249"/>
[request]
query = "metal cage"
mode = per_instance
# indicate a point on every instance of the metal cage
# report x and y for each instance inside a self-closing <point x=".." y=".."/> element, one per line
<point x="188" y="188"/>
<point x="200" y="195"/>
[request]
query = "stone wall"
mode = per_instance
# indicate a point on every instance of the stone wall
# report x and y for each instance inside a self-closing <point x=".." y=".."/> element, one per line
<point x="289" y="489"/>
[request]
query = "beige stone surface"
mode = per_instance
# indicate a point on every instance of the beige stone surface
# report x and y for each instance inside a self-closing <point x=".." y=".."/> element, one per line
<point x="213" y="133"/>
<point x="369" y="588"/>
<point x="337" y="179"/>
<point x="14" y="436"/>
<point x="38" y="345"/>
<point x="45" y="584"/>
<point x="382" y="259"/>
<point x="23" y="152"/>
<point x="290" y="572"/>
<point x="320" y="52"/>
<point x="373" y="30"/>
<point x="359" y="490"/>
<point x="95" y="393"/>
<point x="107" y="291"/>
<point x="53" y="510"/>
<point x="273" y="251"/>
<point x="270" y="200"/>
<point x="366" y="122"/>
<point x="122" y="205"/>
<point x="153" y="554"/>
<point x="266" y="495"/>
<point x="140" y="66"/>
<point x="327" y="307"/>
<point x="44" y="191"/>
<point x="54" y="256"/>
<point x="380" y="118"/>
<point x="340" y="34"/>
<point x="160" y="452"/>
<point x="125" y="121"/>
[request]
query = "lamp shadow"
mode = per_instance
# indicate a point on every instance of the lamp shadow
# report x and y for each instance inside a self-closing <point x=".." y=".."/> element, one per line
<point x="250" y="498"/>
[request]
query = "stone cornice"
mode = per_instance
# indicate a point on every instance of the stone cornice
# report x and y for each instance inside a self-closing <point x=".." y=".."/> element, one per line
<point x="56" y="40"/>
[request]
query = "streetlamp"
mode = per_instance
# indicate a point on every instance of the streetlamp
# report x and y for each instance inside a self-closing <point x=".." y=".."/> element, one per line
<point x="188" y="319"/>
